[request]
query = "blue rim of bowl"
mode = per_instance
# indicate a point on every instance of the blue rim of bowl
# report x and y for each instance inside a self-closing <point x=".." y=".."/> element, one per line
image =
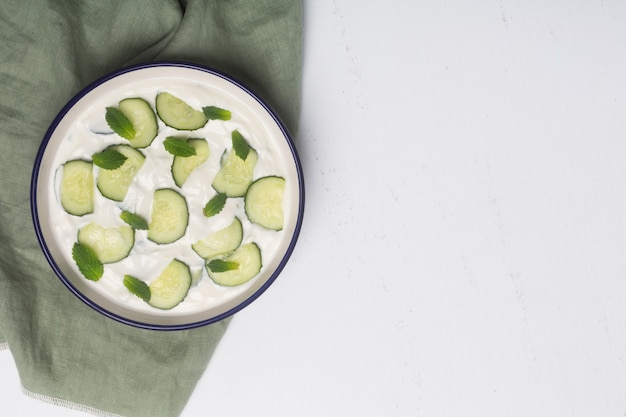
<point x="35" y="213"/>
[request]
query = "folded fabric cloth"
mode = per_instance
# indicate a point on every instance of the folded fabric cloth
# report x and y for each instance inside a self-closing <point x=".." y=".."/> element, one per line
<point x="64" y="351"/>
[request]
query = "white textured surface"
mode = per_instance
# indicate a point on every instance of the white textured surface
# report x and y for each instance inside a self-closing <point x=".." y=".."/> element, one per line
<point x="463" y="250"/>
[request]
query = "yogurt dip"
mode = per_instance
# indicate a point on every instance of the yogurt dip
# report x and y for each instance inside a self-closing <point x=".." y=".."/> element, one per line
<point x="83" y="131"/>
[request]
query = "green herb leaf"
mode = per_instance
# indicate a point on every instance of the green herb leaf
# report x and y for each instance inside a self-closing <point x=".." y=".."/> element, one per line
<point x="216" y="113"/>
<point x="215" y="205"/>
<point x="137" y="287"/>
<point x="220" y="265"/>
<point x="133" y="220"/>
<point x="109" y="159"/>
<point x="119" y="123"/>
<point x="240" y="145"/>
<point x="88" y="263"/>
<point x="178" y="147"/>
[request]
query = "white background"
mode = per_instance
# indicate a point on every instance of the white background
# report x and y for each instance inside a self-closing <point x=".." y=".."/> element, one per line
<point x="465" y="227"/>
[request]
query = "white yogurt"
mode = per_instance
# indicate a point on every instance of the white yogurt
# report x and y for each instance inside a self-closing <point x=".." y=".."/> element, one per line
<point x="88" y="134"/>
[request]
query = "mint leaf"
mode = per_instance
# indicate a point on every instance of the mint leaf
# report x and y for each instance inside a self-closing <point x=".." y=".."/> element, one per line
<point x="220" y="265"/>
<point x="119" y="123"/>
<point x="216" y="113"/>
<point x="240" y="145"/>
<point x="215" y="205"/>
<point x="178" y="147"/>
<point x="109" y="159"/>
<point x="133" y="220"/>
<point x="137" y="287"/>
<point x="88" y="263"/>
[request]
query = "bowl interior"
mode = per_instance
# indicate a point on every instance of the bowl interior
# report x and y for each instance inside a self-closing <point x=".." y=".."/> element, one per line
<point x="81" y="128"/>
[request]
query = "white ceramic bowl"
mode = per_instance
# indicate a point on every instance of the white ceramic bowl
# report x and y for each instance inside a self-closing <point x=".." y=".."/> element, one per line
<point x="80" y="129"/>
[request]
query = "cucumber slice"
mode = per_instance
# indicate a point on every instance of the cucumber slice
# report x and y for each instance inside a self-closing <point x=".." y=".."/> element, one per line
<point x="144" y="121"/>
<point x="169" y="217"/>
<point x="235" y="174"/>
<point x="77" y="187"/>
<point x="220" y="242"/>
<point x="114" y="183"/>
<point x="264" y="202"/>
<point x="177" y="114"/>
<point x="183" y="166"/>
<point x="248" y="259"/>
<point x="171" y="286"/>
<point x="110" y="244"/>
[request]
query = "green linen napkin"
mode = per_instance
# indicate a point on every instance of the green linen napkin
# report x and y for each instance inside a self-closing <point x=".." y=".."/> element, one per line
<point x="64" y="351"/>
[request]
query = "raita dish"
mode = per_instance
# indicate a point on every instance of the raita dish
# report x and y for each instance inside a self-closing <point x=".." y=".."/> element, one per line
<point x="167" y="196"/>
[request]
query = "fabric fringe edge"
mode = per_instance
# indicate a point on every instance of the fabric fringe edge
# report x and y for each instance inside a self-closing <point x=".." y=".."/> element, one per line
<point x="4" y="345"/>
<point x="68" y="404"/>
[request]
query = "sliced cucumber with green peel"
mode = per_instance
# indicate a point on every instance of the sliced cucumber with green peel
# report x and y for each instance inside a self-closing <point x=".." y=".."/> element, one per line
<point x="114" y="183"/>
<point x="171" y="286"/>
<point x="110" y="244"/>
<point x="169" y="216"/>
<point x="176" y="113"/>
<point x="143" y="119"/>
<point x="264" y="202"/>
<point x="246" y="258"/>
<point x="183" y="166"/>
<point x="220" y="242"/>
<point x="235" y="174"/>
<point x="77" y="187"/>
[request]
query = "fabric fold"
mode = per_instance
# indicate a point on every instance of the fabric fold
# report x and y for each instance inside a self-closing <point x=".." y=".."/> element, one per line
<point x="64" y="350"/>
